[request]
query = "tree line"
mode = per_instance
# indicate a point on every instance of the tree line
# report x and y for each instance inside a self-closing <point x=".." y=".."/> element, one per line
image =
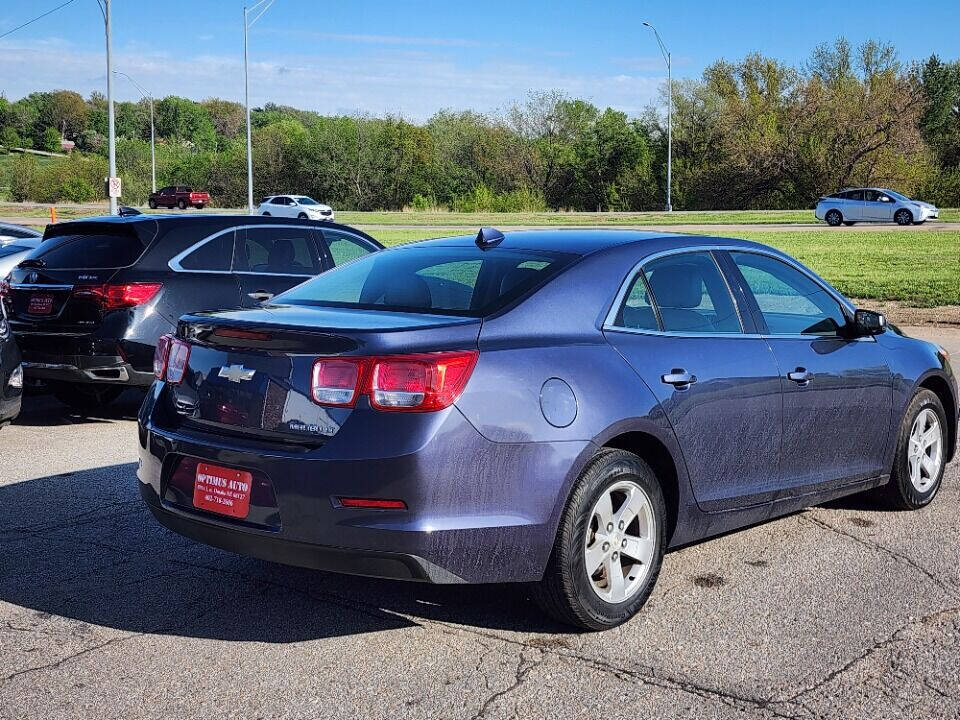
<point x="755" y="133"/>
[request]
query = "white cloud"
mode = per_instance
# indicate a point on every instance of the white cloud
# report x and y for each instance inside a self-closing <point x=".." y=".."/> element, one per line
<point x="413" y="82"/>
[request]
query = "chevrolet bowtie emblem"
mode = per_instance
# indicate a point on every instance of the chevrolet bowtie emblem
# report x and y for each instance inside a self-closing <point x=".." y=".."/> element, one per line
<point x="236" y="373"/>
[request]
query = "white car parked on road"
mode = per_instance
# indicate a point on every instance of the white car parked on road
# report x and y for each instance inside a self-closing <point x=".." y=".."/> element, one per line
<point x="295" y="206"/>
<point x="873" y="205"/>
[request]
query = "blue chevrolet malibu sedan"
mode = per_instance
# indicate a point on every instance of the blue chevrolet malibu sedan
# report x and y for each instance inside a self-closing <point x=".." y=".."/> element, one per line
<point x="558" y="408"/>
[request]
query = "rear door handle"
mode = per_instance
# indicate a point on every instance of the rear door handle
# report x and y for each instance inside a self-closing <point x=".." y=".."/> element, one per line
<point x="679" y="378"/>
<point x="800" y="376"/>
<point x="260" y="295"/>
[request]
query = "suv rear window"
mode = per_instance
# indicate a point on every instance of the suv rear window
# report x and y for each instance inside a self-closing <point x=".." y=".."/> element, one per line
<point x="99" y="249"/>
<point x="434" y="280"/>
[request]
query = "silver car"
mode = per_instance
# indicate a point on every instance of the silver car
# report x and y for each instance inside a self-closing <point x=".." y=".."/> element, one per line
<point x="16" y="241"/>
<point x="873" y="205"/>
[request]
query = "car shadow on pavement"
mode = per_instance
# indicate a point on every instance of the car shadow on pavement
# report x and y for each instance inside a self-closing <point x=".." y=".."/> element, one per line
<point x="41" y="410"/>
<point x="83" y="546"/>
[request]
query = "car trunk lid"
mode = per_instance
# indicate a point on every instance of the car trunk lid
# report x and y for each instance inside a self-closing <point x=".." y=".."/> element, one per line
<point x="250" y="372"/>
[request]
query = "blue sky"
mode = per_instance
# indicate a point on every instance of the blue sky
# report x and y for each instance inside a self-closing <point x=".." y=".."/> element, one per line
<point x="414" y="57"/>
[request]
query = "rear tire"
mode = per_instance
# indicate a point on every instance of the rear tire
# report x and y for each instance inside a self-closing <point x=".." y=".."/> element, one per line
<point x="920" y="456"/>
<point x="834" y="218"/>
<point x="903" y="217"/>
<point x="182" y="204"/>
<point x="86" y="398"/>
<point x="569" y="592"/>
<point x="152" y="204"/>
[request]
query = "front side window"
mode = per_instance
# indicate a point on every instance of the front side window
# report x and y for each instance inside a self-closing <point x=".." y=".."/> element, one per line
<point x="690" y="295"/>
<point x="441" y="280"/>
<point x="345" y="247"/>
<point x="791" y="303"/>
<point x="275" y="251"/>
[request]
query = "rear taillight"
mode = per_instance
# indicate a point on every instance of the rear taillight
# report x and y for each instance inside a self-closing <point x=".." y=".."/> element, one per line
<point x="414" y="383"/>
<point x="120" y="295"/>
<point x="337" y="381"/>
<point x="177" y="361"/>
<point x="161" y="355"/>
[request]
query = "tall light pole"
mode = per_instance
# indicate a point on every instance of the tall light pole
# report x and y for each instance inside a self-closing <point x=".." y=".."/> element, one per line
<point x="666" y="57"/>
<point x="153" y="138"/>
<point x="262" y="6"/>
<point x="111" y="129"/>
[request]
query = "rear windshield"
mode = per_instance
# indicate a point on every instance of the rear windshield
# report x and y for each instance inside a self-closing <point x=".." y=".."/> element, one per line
<point x="97" y="250"/>
<point x="12" y="249"/>
<point x="438" y="280"/>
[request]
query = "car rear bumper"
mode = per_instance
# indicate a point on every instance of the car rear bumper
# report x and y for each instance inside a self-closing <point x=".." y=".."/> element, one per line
<point x="79" y="361"/>
<point x="477" y="511"/>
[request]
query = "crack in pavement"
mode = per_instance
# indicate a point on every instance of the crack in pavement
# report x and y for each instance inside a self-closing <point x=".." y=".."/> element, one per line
<point x="524" y="667"/>
<point x="944" y="584"/>
<point x="876" y="647"/>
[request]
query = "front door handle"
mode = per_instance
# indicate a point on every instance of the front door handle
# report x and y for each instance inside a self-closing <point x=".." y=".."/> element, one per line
<point x="800" y="376"/>
<point x="679" y="378"/>
<point x="260" y="295"/>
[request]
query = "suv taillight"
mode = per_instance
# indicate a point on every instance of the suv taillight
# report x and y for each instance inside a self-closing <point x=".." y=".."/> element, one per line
<point x="415" y="383"/>
<point x="119" y="296"/>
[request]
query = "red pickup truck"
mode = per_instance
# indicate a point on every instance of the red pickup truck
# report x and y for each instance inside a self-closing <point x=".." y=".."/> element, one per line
<point x="179" y="195"/>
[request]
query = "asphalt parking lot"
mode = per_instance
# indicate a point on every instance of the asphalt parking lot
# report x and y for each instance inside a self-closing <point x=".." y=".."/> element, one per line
<point x="843" y="611"/>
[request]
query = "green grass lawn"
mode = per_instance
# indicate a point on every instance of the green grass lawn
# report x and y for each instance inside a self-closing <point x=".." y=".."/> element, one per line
<point x="918" y="268"/>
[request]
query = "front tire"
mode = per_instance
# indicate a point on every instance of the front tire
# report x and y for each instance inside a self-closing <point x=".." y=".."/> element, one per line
<point x="609" y="546"/>
<point x="266" y="214"/>
<point x="921" y="454"/>
<point x="903" y="217"/>
<point x="834" y="218"/>
<point x="86" y="398"/>
<point x="302" y="216"/>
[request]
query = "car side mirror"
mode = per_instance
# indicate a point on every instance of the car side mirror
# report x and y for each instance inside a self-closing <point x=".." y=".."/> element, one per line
<point x="868" y="322"/>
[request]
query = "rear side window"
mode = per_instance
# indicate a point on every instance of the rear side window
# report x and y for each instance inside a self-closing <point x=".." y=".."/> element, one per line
<point x="97" y="250"/>
<point x="345" y="247"/>
<point x="213" y="255"/>
<point x="441" y="280"/>
<point x="683" y="293"/>
<point x="275" y="251"/>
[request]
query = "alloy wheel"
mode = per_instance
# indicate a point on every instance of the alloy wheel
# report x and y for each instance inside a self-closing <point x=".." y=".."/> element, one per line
<point x="620" y="541"/>
<point x="925" y="450"/>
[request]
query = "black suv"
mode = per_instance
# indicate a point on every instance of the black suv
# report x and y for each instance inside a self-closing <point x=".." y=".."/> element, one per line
<point x="89" y="304"/>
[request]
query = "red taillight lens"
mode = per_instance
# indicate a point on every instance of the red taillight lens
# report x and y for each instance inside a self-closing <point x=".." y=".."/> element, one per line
<point x="418" y="383"/>
<point x="337" y="381"/>
<point x="161" y="355"/>
<point x="119" y="296"/>
<point x="372" y="503"/>
<point x="177" y="361"/>
<point x="421" y="383"/>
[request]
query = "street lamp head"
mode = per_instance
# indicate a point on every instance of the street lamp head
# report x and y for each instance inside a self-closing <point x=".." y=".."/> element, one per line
<point x="647" y="24"/>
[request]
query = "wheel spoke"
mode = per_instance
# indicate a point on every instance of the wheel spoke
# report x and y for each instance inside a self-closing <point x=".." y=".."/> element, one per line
<point x="614" y="572"/>
<point x="595" y="556"/>
<point x="927" y="463"/>
<point x="914" y="469"/>
<point x="930" y="437"/>
<point x="630" y="509"/>
<point x="604" y="510"/>
<point x="640" y="549"/>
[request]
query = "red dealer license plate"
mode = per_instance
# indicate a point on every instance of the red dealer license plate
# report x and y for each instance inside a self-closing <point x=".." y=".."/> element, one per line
<point x="222" y="490"/>
<point x="40" y="305"/>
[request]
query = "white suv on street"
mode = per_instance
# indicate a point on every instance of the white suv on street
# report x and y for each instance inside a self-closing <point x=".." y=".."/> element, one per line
<point x="295" y="206"/>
